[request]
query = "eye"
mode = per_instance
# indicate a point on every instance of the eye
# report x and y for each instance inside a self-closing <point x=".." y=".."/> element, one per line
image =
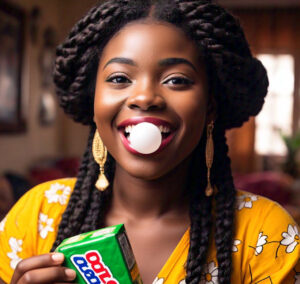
<point x="118" y="79"/>
<point x="178" y="81"/>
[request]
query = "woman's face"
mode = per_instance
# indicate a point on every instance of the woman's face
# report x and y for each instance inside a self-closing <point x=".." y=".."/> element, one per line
<point x="150" y="71"/>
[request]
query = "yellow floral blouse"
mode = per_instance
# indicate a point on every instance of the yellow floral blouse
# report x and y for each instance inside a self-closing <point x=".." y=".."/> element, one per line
<point x="265" y="249"/>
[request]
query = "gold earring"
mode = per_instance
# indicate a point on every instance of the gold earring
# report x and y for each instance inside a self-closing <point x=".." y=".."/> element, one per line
<point x="100" y="155"/>
<point x="209" y="157"/>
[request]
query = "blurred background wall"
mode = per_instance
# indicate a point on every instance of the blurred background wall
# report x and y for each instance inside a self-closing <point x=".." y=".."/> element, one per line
<point x="18" y="151"/>
<point x="47" y="144"/>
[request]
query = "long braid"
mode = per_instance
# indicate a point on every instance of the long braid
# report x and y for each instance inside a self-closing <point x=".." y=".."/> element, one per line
<point x="100" y="201"/>
<point x="201" y="206"/>
<point x="76" y="195"/>
<point x="200" y="232"/>
<point x="225" y="205"/>
<point x="83" y="212"/>
<point x="200" y="215"/>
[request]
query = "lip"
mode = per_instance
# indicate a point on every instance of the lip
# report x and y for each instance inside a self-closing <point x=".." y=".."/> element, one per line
<point x="156" y="121"/>
<point x="153" y="120"/>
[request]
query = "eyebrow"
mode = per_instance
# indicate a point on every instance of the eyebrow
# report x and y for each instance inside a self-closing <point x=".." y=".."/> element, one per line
<point x="176" y="61"/>
<point x="165" y="62"/>
<point x="121" y="60"/>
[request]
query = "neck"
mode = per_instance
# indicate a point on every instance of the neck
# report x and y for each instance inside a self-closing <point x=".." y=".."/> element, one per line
<point x="138" y="198"/>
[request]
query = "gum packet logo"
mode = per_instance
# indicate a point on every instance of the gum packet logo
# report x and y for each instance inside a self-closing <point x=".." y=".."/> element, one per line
<point x="93" y="269"/>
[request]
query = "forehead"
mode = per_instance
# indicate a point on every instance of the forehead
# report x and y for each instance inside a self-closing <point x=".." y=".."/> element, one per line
<point x="150" y="40"/>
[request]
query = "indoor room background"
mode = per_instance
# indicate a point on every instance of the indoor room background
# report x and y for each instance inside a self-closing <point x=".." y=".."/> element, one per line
<point x="39" y="143"/>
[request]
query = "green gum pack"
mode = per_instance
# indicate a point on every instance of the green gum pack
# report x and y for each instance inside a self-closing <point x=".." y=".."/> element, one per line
<point x="101" y="256"/>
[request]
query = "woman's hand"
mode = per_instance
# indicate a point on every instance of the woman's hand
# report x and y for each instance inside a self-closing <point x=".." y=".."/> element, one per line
<point x="45" y="268"/>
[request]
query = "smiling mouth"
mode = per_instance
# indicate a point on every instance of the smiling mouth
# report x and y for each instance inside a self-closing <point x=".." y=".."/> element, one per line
<point x="166" y="129"/>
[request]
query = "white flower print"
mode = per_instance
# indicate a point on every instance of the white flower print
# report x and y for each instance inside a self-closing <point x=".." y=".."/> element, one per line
<point x="58" y="193"/>
<point x="16" y="246"/>
<point x="245" y="201"/>
<point x="2" y="224"/>
<point x="235" y="244"/>
<point x="210" y="274"/>
<point x="14" y="259"/>
<point x="158" y="281"/>
<point x="182" y="282"/>
<point x="261" y="241"/>
<point x="45" y="224"/>
<point x="290" y="238"/>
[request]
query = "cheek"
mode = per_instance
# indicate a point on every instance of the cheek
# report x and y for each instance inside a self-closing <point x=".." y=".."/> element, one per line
<point x="192" y="108"/>
<point x="106" y="106"/>
<point x="195" y="128"/>
<point x="103" y="114"/>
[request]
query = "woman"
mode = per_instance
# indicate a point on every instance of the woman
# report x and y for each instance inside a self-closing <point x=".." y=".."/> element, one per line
<point x="185" y="67"/>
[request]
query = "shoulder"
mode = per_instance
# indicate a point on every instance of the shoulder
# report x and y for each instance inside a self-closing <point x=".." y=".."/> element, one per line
<point x="49" y="197"/>
<point x="51" y="188"/>
<point x="259" y="210"/>
<point x="41" y="198"/>
<point x="44" y="200"/>
<point x="54" y="192"/>
<point x="265" y="234"/>
<point x="256" y="215"/>
<point x="31" y="225"/>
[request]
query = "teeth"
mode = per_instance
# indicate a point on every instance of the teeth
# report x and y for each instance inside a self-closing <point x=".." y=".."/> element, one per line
<point x="163" y="129"/>
<point x="128" y="128"/>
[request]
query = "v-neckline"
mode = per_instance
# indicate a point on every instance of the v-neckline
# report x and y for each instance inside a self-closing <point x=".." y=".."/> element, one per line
<point x="175" y="255"/>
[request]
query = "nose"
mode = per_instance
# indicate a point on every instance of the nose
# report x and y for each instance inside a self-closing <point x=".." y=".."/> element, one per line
<point x="146" y="98"/>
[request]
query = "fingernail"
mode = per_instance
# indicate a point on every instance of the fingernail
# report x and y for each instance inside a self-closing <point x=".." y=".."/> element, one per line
<point x="58" y="257"/>
<point x="70" y="273"/>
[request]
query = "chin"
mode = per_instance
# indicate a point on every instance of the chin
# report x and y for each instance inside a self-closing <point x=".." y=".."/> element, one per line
<point x="146" y="173"/>
<point x="150" y="171"/>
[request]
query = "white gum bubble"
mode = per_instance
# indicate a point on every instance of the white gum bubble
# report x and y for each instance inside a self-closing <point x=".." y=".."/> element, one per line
<point x="145" y="138"/>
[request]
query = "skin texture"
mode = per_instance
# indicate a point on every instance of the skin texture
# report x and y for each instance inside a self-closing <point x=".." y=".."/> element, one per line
<point x="149" y="191"/>
<point x="154" y="193"/>
<point x="44" y="268"/>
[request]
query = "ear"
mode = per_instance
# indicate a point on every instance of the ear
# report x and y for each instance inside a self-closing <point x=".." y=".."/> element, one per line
<point x="211" y="109"/>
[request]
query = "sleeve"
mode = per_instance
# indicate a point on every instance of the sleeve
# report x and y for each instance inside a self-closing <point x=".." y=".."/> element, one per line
<point x="274" y="248"/>
<point x="31" y="225"/>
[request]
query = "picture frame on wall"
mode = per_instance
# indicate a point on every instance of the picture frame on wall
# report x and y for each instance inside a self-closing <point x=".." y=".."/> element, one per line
<point x="12" y="21"/>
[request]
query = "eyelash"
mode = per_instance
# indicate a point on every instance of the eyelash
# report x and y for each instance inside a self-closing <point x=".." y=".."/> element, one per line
<point x="114" y="77"/>
<point x="183" y="81"/>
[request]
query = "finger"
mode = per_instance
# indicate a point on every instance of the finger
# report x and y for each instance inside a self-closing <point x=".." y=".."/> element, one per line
<point x="65" y="283"/>
<point x="48" y="275"/>
<point x="39" y="261"/>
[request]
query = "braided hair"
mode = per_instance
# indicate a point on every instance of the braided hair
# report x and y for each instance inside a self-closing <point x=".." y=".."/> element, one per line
<point x="236" y="79"/>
